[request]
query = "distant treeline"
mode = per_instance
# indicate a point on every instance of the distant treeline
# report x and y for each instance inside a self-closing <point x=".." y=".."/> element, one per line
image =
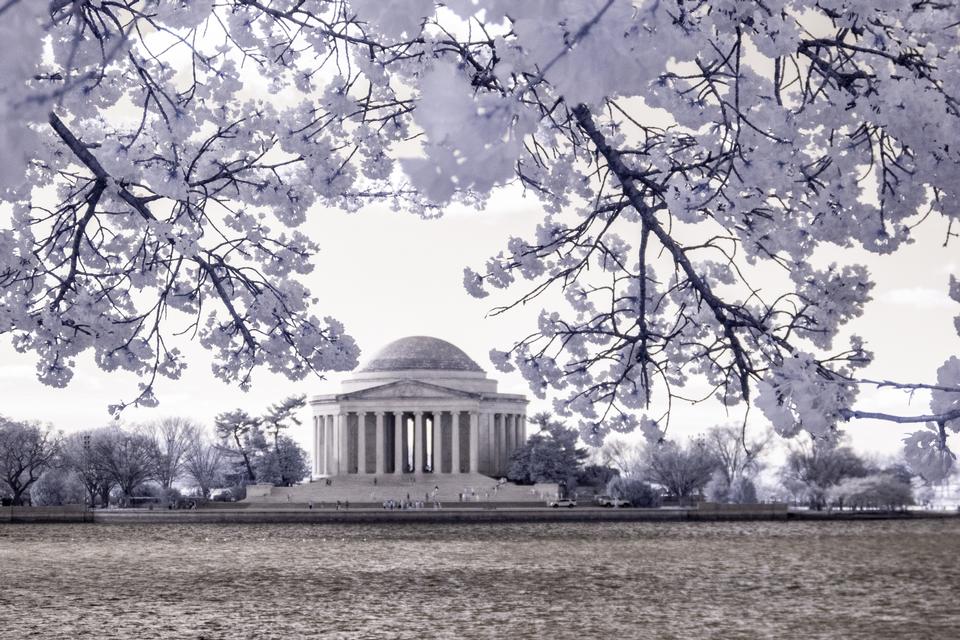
<point x="171" y="460"/>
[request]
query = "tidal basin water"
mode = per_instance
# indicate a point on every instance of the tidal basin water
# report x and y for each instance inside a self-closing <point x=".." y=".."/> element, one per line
<point x="886" y="579"/>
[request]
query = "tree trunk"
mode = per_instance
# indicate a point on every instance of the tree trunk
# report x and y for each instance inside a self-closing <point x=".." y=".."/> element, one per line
<point x="246" y="458"/>
<point x="246" y="461"/>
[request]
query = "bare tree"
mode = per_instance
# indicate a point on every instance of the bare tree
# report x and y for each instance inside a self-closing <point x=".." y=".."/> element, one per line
<point x="128" y="457"/>
<point x="203" y="463"/>
<point x="81" y="453"/>
<point x="736" y="455"/>
<point x="681" y="469"/>
<point x="814" y="466"/>
<point x="26" y="451"/>
<point x="172" y="437"/>
<point x="622" y="454"/>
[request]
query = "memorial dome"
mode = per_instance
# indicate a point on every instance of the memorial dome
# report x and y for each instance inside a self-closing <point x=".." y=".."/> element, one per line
<point x="420" y="353"/>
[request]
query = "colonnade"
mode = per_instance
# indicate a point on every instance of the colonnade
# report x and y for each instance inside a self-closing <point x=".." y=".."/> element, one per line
<point x="420" y="441"/>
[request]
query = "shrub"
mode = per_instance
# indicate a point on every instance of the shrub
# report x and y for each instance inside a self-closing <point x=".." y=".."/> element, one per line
<point x="877" y="491"/>
<point x="57" y="487"/>
<point x="638" y="492"/>
<point x="596" y="476"/>
<point x="740" y="491"/>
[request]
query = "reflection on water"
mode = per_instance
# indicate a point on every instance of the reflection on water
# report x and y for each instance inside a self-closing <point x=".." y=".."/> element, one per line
<point x="618" y="580"/>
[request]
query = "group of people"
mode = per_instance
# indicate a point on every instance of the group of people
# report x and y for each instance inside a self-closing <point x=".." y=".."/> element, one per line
<point x="409" y="503"/>
<point x="403" y="505"/>
<point x="472" y="496"/>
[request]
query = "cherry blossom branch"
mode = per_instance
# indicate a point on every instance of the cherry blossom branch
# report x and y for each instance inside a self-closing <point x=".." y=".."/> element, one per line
<point x="937" y="418"/>
<point x="730" y="318"/>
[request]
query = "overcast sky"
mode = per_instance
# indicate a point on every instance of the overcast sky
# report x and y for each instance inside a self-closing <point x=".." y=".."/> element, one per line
<point x="387" y="275"/>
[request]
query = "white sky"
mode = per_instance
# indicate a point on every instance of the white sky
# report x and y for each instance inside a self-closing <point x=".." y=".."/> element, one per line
<point x="387" y="275"/>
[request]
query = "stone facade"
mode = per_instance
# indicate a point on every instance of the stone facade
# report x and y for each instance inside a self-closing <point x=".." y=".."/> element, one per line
<point x="420" y="405"/>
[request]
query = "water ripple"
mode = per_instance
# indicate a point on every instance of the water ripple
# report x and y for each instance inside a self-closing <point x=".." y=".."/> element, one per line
<point x="871" y="580"/>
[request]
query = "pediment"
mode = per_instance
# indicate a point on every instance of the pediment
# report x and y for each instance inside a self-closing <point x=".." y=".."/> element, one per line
<point x="408" y="389"/>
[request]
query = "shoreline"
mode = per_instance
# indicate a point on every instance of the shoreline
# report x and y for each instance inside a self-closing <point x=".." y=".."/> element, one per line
<point x="453" y="515"/>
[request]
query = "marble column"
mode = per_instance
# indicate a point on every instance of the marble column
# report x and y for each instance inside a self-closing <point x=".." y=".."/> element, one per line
<point x="501" y="444"/>
<point x="455" y="442"/>
<point x="508" y="440"/>
<point x="521" y="435"/>
<point x="316" y="447"/>
<point x="328" y="444"/>
<point x="322" y="449"/>
<point x="324" y="426"/>
<point x="344" y="443"/>
<point x="492" y="428"/>
<point x="326" y="465"/>
<point x="398" y="442"/>
<point x="489" y="421"/>
<point x="379" y="442"/>
<point x="336" y="444"/>
<point x="474" y="442"/>
<point x="418" y="448"/>
<point x="361" y="441"/>
<point x="321" y="446"/>
<point x="437" y="462"/>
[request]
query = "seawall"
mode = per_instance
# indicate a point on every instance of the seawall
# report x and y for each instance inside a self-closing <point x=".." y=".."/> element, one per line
<point x="68" y="513"/>
<point x="370" y="515"/>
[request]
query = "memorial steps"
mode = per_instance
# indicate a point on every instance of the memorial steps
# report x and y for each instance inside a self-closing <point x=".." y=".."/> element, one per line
<point x="361" y="489"/>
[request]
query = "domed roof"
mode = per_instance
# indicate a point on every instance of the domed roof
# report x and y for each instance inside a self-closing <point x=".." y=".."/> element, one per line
<point x="421" y="352"/>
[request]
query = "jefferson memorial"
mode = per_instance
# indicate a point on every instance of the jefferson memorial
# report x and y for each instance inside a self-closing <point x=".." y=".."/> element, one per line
<point x="419" y="406"/>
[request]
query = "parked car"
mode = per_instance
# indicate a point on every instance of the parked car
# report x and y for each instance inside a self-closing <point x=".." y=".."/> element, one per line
<point x="563" y="502"/>
<point x="610" y="501"/>
<point x="222" y="495"/>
